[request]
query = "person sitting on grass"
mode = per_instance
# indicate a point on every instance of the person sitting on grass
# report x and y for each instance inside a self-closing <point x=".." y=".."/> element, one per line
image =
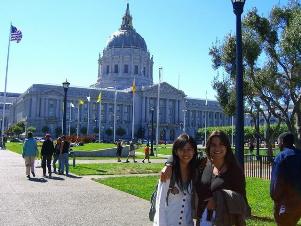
<point x="131" y="152"/>
<point x="173" y="200"/>
<point x="146" y="153"/>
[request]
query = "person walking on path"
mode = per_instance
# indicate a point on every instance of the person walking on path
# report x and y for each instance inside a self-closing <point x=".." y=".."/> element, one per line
<point x="30" y="152"/>
<point x="64" y="156"/>
<point x="131" y="152"/>
<point x="46" y="153"/>
<point x="146" y="153"/>
<point x="285" y="187"/>
<point x="56" y="153"/>
<point x="119" y="151"/>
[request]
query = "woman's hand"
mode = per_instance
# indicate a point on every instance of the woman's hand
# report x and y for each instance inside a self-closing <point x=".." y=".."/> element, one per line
<point x="210" y="204"/>
<point x="165" y="173"/>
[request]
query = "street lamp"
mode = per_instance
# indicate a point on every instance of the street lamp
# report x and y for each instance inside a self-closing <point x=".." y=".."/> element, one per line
<point x="152" y="138"/>
<point x="238" y="6"/>
<point x="65" y="86"/>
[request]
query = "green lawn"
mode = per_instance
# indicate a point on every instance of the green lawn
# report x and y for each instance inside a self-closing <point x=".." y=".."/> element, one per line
<point x="93" y="146"/>
<point x="14" y="147"/>
<point x="257" y="193"/>
<point x="116" y="168"/>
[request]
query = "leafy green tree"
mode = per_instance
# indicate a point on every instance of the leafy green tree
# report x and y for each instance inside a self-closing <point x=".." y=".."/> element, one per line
<point x="83" y="130"/>
<point x="45" y="129"/>
<point x="95" y="129"/>
<point x="72" y="130"/>
<point x="31" y="129"/>
<point x="17" y="130"/>
<point x="58" y="131"/>
<point x="109" y="132"/>
<point x="120" y="132"/>
<point x="272" y="68"/>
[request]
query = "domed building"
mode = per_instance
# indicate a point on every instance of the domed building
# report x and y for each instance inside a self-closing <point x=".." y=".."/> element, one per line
<point x="125" y="58"/>
<point x="121" y="114"/>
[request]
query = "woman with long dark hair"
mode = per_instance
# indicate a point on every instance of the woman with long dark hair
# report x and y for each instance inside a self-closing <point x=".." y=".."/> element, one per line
<point x="222" y="173"/>
<point x="173" y="201"/>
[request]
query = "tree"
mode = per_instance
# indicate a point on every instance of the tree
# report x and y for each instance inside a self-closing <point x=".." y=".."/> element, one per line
<point x="109" y="132"/>
<point x="17" y="130"/>
<point x="120" y="132"/>
<point x="95" y="129"/>
<point x="45" y="129"/>
<point x="58" y="131"/>
<point x="31" y="129"/>
<point x="271" y="86"/>
<point x="83" y="130"/>
<point x="72" y="130"/>
<point x="140" y="133"/>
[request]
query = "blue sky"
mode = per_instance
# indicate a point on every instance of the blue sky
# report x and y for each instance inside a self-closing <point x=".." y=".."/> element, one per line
<point x="62" y="38"/>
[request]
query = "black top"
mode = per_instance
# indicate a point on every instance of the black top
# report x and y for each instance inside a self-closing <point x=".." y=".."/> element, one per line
<point x="232" y="179"/>
<point x="47" y="148"/>
<point x="66" y="146"/>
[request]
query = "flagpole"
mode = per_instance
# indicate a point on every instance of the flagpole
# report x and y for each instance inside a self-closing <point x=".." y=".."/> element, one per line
<point x="77" y="130"/>
<point x="88" y="124"/>
<point x="206" y="103"/>
<point x="115" y="100"/>
<point x="5" y="86"/>
<point x="99" y="121"/>
<point x="69" y="119"/>
<point x="133" y="121"/>
<point x="158" y="112"/>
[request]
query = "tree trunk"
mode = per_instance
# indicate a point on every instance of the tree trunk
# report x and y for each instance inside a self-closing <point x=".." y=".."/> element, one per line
<point x="298" y="128"/>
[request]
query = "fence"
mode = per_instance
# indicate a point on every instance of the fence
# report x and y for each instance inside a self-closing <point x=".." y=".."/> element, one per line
<point x="258" y="166"/>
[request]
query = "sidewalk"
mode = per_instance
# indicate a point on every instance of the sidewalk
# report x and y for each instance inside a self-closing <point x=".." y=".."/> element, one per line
<point x="62" y="200"/>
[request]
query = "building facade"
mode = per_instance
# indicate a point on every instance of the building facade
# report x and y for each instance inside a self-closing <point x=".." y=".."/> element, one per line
<point x="124" y="60"/>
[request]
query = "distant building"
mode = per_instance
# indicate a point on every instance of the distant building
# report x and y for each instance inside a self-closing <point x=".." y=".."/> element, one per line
<point x="125" y="58"/>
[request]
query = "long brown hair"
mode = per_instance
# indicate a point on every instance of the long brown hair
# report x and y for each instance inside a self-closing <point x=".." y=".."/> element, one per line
<point x="230" y="159"/>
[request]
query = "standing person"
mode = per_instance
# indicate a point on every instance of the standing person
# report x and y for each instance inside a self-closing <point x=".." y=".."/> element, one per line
<point x="173" y="201"/>
<point x="251" y="145"/>
<point x="30" y="152"/>
<point x="222" y="172"/>
<point x="56" y="153"/>
<point x="64" y="156"/>
<point x="46" y="153"/>
<point x="285" y="187"/>
<point x="131" y="152"/>
<point x="119" y="151"/>
<point x="146" y="153"/>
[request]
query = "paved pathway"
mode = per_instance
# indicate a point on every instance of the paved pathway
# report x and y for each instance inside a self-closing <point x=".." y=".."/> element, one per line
<point x="62" y="200"/>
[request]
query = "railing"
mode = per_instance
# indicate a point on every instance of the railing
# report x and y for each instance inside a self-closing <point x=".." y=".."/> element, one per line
<point x="258" y="166"/>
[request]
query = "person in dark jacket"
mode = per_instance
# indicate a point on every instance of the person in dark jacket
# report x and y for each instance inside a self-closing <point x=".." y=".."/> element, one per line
<point x="47" y="152"/>
<point x="64" y="156"/>
<point x="56" y="154"/>
<point x="285" y="187"/>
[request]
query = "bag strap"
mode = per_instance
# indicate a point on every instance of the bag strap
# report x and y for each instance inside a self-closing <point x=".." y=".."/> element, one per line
<point x="171" y="185"/>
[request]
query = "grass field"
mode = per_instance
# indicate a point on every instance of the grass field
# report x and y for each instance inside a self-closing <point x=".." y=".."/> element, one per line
<point x="257" y="193"/>
<point x="93" y="146"/>
<point x="116" y="168"/>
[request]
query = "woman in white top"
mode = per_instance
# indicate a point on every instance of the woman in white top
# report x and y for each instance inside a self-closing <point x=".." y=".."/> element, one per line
<point x="173" y="203"/>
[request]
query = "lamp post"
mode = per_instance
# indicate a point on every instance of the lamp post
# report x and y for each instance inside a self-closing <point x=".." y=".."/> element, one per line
<point x="65" y="86"/>
<point x="184" y="120"/>
<point x="152" y="136"/>
<point x="238" y="6"/>
<point x="257" y="129"/>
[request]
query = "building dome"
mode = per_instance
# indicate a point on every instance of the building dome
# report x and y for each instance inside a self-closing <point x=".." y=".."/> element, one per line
<point x="126" y="36"/>
<point x="126" y="39"/>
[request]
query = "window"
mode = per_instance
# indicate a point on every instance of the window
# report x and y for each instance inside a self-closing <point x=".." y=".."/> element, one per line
<point x="126" y="68"/>
<point x="116" y="68"/>
<point x="108" y="69"/>
<point x="136" y="70"/>
<point x="144" y="71"/>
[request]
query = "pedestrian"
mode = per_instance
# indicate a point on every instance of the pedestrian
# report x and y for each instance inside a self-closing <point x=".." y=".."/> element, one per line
<point x="251" y="145"/>
<point x="131" y="152"/>
<point x="46" y="153"/>
<point x="56" y="154"/>
<point x="285" y="189"/>
<point x="173" y="200"/>
<point x="146" y="153"/>
<point x="64" y="156"/>
<point x="30" y="152"/>
<point x="119" y="151"/>
<point x="4" y="142"/>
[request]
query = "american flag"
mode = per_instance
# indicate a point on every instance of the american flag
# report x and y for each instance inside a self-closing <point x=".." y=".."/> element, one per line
<point x="15" y="34"/>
